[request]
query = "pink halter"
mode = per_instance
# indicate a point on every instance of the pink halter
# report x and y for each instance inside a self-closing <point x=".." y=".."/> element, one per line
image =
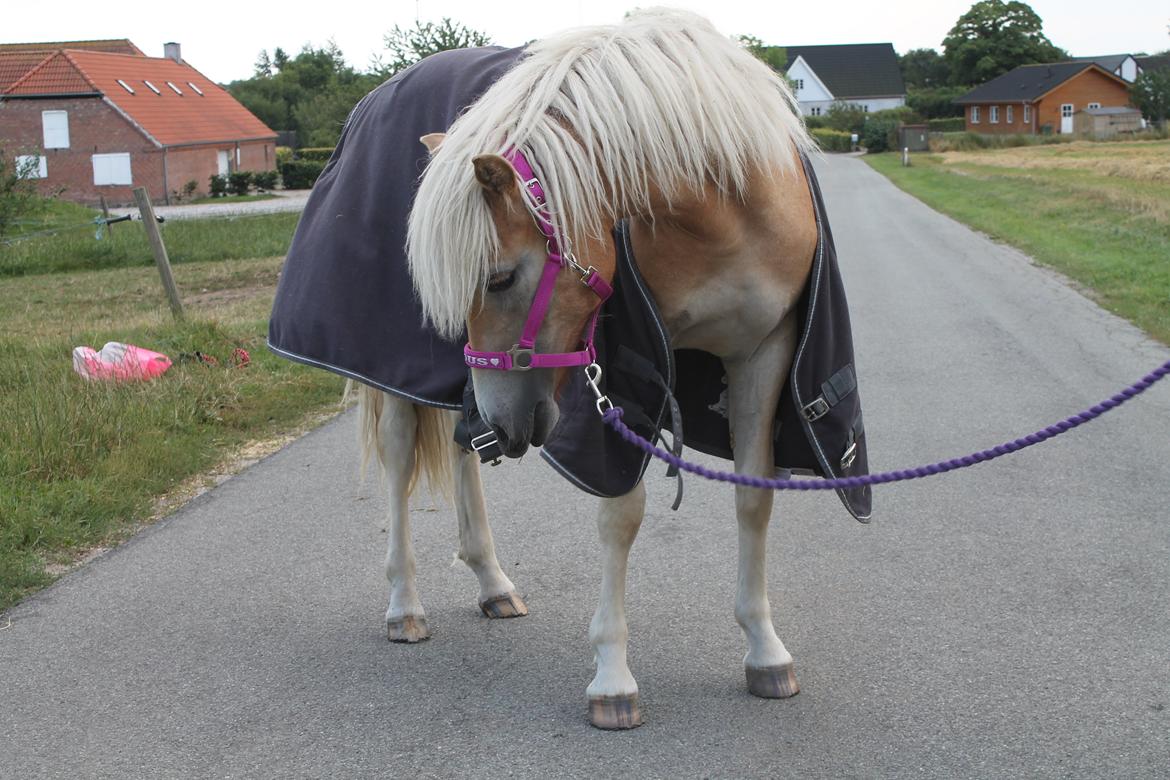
<point x="522" y="355"/>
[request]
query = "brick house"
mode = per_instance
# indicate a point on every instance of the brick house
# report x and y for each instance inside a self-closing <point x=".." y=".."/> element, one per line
<point x="1041" y="98"/>
<point x="90" y="122"/>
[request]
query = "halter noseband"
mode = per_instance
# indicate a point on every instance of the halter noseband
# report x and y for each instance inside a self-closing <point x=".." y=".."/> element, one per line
<point x="522" y="355"/>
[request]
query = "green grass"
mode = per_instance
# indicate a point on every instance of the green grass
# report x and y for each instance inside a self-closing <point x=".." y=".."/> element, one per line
<point x="82" y="465"/>
<point x="1098" y="213"/>
<point x="125" y="244"/>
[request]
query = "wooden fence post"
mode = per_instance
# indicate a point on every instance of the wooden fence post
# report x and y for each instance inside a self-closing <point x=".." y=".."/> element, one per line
<point x="159" y="249"/>
<point x="106" y="215"/>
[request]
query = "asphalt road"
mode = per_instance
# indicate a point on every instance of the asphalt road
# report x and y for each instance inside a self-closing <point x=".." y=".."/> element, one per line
<point x="1008" y="620"/>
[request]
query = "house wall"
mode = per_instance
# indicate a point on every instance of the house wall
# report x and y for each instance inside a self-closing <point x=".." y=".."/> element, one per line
<point x="200" y="163"/>
<point x="94" y="128"/>
<point x="810" y="93"/>
<point x="1003" y="127"/>
<point x="1080" y="90"/>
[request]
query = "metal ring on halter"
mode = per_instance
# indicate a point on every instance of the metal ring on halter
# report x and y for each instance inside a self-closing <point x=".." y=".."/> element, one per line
<point x="521" y="357"/>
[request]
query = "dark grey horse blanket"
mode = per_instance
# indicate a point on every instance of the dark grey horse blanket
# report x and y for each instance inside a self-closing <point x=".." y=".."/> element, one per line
<point x="345" y="303"/>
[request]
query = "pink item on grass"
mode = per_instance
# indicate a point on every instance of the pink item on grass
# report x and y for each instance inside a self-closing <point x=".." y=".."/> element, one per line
<point x="119" y="362"/>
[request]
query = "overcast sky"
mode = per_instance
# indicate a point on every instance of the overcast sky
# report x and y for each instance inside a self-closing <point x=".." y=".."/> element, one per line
<point x="222" y="39"/>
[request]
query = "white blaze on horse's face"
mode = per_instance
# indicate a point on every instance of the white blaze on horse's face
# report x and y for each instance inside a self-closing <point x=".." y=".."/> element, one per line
<point x="521" y="405"/>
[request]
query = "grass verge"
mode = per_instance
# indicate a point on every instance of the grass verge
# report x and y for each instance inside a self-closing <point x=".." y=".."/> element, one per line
<point x="1098" y="213"/>
<point x="83" y="465"/>
<point x="75" y="248"/>
<point x="235" y="198"/>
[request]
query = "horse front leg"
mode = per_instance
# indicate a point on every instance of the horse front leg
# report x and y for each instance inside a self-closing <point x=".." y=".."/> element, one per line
<point x="613" y="693"/>
<point x="497" y="595"/>
<point x="754" y="390"/>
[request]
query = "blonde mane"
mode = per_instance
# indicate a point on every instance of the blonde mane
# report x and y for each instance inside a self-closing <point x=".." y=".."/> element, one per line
<point x="602" y="112"/>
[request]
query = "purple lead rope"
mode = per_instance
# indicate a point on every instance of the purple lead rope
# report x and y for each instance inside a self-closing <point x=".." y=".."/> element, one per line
<point x="613" y="418"/>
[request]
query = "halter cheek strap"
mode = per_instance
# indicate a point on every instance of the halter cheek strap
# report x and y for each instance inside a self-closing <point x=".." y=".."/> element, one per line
<point x="522" y="355"/>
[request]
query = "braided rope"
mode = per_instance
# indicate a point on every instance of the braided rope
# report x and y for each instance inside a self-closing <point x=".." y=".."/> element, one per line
<point x="613" y="418"/>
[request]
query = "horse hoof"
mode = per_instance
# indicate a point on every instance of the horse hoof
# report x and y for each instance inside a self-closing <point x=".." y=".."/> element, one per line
<point x="408" y="629"/>
<point x="509" y="605"/>
<point x="615" y="712"/>
<point x="772" y="682"/>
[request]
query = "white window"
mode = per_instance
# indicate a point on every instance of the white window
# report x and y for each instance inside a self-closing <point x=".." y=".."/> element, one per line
<point x="31" y="166"/>
<point x="111" y="168"/>
<point x="56" y="129"/>
<point x="974" y="115"/>
<point x="800" y="83"/>
<point x="1010" y="118"/>
<point x="171" y="84"/>
<point x="198" y="91"/>
<point x="125" y="86"/>
<point x="1027" y="114"/>
<point x="152" y="87"/>
<point x="993" y="115"/>
<point x="1094" y="105"/>
<point x="1066" y="110"/>
<point x="814" y="111"/>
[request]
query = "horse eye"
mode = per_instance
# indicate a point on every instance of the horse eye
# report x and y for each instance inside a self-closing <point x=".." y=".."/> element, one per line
<point x="501" y="281"/>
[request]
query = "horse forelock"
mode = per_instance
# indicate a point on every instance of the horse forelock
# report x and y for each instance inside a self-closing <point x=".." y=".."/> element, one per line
<point x="660" y="104"/>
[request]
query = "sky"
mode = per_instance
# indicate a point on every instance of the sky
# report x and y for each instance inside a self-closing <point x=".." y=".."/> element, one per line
<point x="223" y="39"/>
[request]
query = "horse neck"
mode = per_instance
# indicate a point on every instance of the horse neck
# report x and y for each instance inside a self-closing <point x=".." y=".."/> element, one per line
<point x="724" y="269"/>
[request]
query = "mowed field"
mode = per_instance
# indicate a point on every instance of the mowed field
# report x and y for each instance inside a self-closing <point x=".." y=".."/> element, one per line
<point x="1097" y="212"/>
<point x="84" y="465"/>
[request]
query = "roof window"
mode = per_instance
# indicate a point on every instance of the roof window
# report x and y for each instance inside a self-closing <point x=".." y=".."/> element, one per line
<point x="153" y="88"/>
<point x="125" y="86"/>
<point x="171" y="84"/>
<point x="198" y="91"/>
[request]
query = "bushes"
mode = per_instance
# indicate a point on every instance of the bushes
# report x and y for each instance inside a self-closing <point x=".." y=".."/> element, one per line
<point x="969" y="142"/>
<point x="317" y="153"/>
<point x="878" y="135"/>
<point x="832" y="140"/>
<point x="283" y="154"/>
<point x="219" y="186"/>
<point x="813" y="122"/>
<point x="239" y="182"/>
<point x="300" y="174"/>
<point x="952" y="124"/>
<point x="265" y="180"/>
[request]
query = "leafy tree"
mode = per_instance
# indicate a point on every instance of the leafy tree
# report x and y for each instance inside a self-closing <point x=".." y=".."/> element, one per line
<point x="405" y="47"/>
<point x="935" y="103"/>
<point x="775" y="57"/>
<point x="845" y="116"/>
<point x="1151" y="93"/>
<point x="923" y="69"/>
<point x="993" y="37"/>
<point x="18" y="192"/>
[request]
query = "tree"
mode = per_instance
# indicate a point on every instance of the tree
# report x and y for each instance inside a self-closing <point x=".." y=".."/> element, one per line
<point x="992" y="38"/>
<point x="18" y="192"/>
<point x="775" y="57"/>
<point x="405" y="47"/>
<point x="923" y="69"/>
<point x="1151" y="94"/>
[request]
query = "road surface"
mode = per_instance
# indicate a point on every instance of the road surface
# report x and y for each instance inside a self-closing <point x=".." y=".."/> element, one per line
<point x="1007" y="620"/>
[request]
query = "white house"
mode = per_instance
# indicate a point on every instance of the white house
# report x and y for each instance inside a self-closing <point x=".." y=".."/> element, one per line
<point x="866" y="74"/>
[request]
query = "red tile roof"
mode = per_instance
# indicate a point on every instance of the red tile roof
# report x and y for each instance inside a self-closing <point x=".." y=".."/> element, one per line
<point x="14" y="64"/>
<point x="54" y="75"/>
<point x="195" y="110"/>
<point x="112" y="45"/>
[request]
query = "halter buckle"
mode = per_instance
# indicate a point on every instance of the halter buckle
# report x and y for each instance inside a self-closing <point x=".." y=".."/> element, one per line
<point x="521" y="357"/>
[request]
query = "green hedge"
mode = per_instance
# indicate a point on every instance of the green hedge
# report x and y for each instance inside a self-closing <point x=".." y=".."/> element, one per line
<point x="951" y="124"/>
<point x="300" y="174"/>
<point x="317" y="153"/>
<point x="832" y="140"/>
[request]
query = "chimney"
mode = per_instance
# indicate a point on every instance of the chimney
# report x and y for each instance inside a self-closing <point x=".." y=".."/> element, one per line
<point x="171" y="52"/>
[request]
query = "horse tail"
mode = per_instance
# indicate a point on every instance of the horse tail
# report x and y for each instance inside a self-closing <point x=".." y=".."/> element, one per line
<point x="434" y="430"/>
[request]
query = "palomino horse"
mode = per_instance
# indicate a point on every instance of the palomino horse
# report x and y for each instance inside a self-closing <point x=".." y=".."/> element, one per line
<point x="666" y="122"/>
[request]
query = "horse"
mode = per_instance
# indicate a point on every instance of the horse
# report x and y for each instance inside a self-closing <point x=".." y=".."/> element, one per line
<point x="666" y="123"/>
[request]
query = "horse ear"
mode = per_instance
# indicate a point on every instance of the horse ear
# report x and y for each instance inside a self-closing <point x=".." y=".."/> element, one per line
<point x="432" y="141"/>
<point x="495" y="174"/>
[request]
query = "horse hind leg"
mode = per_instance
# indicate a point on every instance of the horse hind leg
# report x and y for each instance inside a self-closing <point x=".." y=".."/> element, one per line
<point x="613" y="693"/>
<point x="388" y="427"/>
<point x="497" y="595"/>
<point x="754" y="390"/>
